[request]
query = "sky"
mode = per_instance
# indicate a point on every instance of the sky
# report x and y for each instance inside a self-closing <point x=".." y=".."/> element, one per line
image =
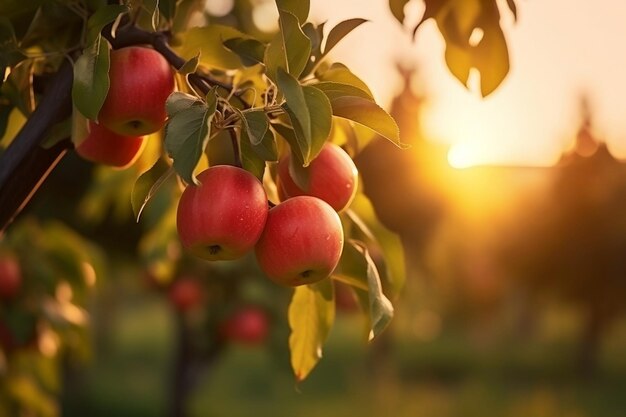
<point x="559" y="50"/>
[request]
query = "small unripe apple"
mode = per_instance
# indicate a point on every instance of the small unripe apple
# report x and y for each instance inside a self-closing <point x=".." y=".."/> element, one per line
<point x="104" y="146"/>
<point x="332" y="176"/>
<point x="223" y="217"/>
<point x="10" y="277"/>
<point x="140" y="79"/>
<point x="301" y="243"/>
<point x="186" y="293"/>
<point x="249" y="325"/>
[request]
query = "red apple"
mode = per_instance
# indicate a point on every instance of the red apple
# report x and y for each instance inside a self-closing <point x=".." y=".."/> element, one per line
<point x="106" y="147"/>
<point x="186" y="292"/>
<point x="345" y="299"/>
<point x="301" y="243"/>
<point x="332" y="176"/>
<point x="249" y="325"/>
<point x="223" y="217"/>
<point x="10" y="277"/>
<point x="140" y="82"/>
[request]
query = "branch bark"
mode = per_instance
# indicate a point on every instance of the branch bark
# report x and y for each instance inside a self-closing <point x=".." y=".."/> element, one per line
<point x="24" y="165"/>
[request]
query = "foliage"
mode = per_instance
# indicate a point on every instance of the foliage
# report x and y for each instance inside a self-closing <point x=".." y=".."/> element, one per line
<point x="457" y="20"/>
<point x="242" y="97"/>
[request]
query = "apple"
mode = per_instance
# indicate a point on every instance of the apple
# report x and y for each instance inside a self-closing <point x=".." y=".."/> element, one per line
<point x="248" y="325"/>
<point x="140" y="80"/>
<point x="345" y="299"/>
<point x="10" y="277"/>
<point x="186" y="292"/>
<point x="332" y="176"/>
<point x="301" y="243"/>
<point x="106" y="147"/>
<point x="223" y="217"/>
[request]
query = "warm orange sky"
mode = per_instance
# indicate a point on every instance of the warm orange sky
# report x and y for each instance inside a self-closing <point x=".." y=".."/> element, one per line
<point x="559" y="48"/>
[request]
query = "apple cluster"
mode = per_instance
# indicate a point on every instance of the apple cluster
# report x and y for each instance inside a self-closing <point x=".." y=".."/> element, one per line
<point x="298" y="241"/>
<point x="140" y="81"/>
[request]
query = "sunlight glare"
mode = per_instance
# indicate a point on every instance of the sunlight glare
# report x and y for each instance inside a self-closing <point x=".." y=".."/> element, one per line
<point x="461" y="156"/>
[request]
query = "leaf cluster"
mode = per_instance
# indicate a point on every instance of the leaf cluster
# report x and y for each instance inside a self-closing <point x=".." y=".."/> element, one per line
<point x="457" y="20"/>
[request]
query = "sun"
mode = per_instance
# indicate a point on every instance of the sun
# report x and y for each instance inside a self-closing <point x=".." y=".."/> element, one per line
<point x="462" y="156"/>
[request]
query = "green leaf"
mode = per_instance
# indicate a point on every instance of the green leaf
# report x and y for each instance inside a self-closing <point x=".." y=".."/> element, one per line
<point x="289" y="49"/>
<point x="311" y="316"/>
<point x="310" y="113"/>
<point x="209" y="42"/>
<point x="255" y="123"/>
<point x="366" y="227"/>
<point x="190" y="66"/>
<point x="148" y="184"/>
<point x="57" y="133"/>
<point x="337" y="33"/>
<point x="299" y="8"/>
<point x="267" y="149"/>
<point x="250" y="51"/>
<point x="18" y="88"/>
<point x="335" y="90"/>
<point x="341" y="74"/>
<point x="295" y="104"/>
<point x="321" y="119"/>
<point x="9" y="48"/>
<point x="368" y="114"/>
<point x="397" y="9"/>
<point x="91" y="78"/>
<point x="315" y="35"/>
<point x="357" y="268"/>
<point x="187" y="131"/>
<point x="167" y="8"/>
<point x="250" y="159"/>
<point x="102" y="17"/>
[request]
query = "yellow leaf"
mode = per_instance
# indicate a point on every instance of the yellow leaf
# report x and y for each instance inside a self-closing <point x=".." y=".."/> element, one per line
<point x="208" y="41"/>
<point x="311" y="316"/>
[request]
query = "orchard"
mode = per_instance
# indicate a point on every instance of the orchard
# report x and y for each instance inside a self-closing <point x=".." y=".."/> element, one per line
<point x="230" y="149"/>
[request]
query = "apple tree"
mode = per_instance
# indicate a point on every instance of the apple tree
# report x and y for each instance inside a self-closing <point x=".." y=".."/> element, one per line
<point x="224" y="142"/>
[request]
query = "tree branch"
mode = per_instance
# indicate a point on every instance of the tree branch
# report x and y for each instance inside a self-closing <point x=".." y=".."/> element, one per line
<point x="24" y="165"/>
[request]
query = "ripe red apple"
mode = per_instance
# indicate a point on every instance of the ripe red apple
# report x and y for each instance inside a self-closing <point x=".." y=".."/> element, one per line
<point x="333" y="177"/>
<point x="10" y="277"/>
<point x="106" y="147"/>
<point x="186" y="292"/>
<point x="301" y="243"/>
<point x="223" y="217"/>
<point x="140" y="82"/>
<point x="249" y="325"/>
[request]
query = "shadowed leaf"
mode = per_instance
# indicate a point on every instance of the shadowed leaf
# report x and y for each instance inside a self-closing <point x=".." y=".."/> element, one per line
<point x="290" y="49"/>
<point x="342" y="29"/>
<point x="91" y="79"/>
<point x="357" y="269"/>
<point x="368" y="114"/>
<point x="148" y="184"/>
<point x="187" y="131"/>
